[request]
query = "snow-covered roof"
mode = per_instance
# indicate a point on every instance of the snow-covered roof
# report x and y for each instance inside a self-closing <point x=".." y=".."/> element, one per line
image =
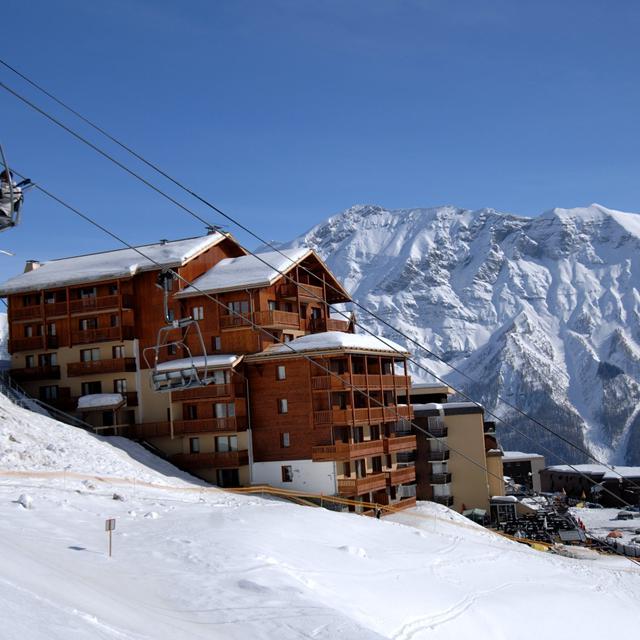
<point x="217" y="361"/>
<point x="94" y="401"/>
<point x="436" y="406"/>
<point x="514" y="456"/>
<point x="246" y="272"/>
<point x="107" y="265"/>
<point x="598" y="469"/>
<point x="428" y="386"/>
<point x="334" y="341"/>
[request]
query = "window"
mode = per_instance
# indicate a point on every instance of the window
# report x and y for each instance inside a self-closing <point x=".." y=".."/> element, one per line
<point x="89" y="388"/>
<point x="281" y="372"/>
<point x="239" y="306"/>
<point x="117" y="351"/>
<point x="287" y="337"/>
<point x="224" y="409"/>
<point x="87" y="292"/>
<point x="48" y="359"/>
<point x="40" y="329"/>
<point x="89" y="355"/>
<point x="197" y="313"/>
<point x="172" y="349"/>
<point x="194" y="445"/>
<point x="49" y="297"/>
<point x="29" y="361"/>
<point x="284" y="439"/>
<point x="226" y="443"/>
<point x="216" y="343"/>
<point x="28" y="331"/>
<point x="272" y="305"/>
<point x="120" y="386"/>
<point x="171" y="315"/>
<point x="287" y="473"/>
<point x="49" y="393"/>
<point x="316" y="313"/>
<point x="86" y="324"/>
<point x="191" y="411"/>
<point x="222" y="376"/>
<point x="114" y="320"/>
<point x="283" y="405"/>
<point x="376" y="464"/>
<point x="51" y="329"/>
<point x="113" y="289"/>
<point x="26" y="301"/>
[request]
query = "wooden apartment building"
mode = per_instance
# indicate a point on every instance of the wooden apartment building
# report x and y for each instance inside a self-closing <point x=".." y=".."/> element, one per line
<point x="318" y="413"/>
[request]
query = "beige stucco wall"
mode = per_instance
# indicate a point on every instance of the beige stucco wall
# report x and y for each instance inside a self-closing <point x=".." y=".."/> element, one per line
<point x="494" y="466"/>
<point x="469" y="482"/>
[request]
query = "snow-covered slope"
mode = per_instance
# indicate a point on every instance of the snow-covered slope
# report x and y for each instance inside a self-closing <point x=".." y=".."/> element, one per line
<point x="191" y="562"/>
<point x="543" y="311"/>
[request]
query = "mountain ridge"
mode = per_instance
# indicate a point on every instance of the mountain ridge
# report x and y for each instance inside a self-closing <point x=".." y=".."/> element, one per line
<point x="543" y="311"/>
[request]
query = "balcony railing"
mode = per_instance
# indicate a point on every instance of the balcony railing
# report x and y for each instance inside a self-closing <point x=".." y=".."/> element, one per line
<point x="345" y="381"/>
<point x="345" y="451"/>
<point x="26" y="313"/>
<point x="112" y="365"/>
<point x="401" y="476"/>
<point x="445" y="500"/>
<point x="216" y="460"/>
<point x="319" y="325"/>
<point x="54" y="309"/>
<point x="26" y="344"/>
<point x="206" y="425"/>
<point x="399" y="443"/>
<point x="360" y="415"/>
<point x="358" y="486"/>
<point x="94" y="303"/>
<point x="152" y="429"/>
<point x="438" y="456"/>
<point x="102" y="334"/>
<point x="292" y="290"/>
<point x="440" y="478"/>
<point x="268" y="319"/>
<point x="46" y="372"/>
<point x="209" y="391"/>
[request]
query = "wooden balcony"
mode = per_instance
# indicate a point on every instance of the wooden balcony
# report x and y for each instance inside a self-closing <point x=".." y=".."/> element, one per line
<point x="55" y="309"/>
<point x="31" y="312"/>
<point x="405" y="503"/>
<point x="210" y="391"/>
<point x="217" y="460"/>
<point x="399" y="443"/>
<point x="151" y="429"/>
<point x="438" y="456"/>
<point x="345" y="381"/>
<point x="358" y="486"/>
<point x="100" y="303"/>
<point x="401" y="476"/>
<point x="266" y="319"/>
<point x="345" y="451"/>
<point x="48" y="372"/>
<point x="26" y="344"/>
<point x="210" y="425"/>
<point x="320" y="325"/>
<point x="104" y="334"/>
<point x="112" y="365"/>
<point x="301" y="290"/>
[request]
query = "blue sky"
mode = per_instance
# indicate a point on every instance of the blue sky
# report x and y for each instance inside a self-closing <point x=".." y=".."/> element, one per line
<point x="283" y="112"/>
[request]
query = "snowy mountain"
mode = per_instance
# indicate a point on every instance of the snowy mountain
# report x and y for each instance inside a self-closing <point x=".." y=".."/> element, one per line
<point x="542" y="311"/>
<point x="196" y="562"/>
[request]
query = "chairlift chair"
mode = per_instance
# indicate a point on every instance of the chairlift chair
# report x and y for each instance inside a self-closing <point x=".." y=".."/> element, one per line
<point x="194" y="373"/>
<point x="11" y="196"/>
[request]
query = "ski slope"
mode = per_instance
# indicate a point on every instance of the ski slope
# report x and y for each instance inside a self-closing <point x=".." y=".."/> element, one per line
<point x="196" y="562"/>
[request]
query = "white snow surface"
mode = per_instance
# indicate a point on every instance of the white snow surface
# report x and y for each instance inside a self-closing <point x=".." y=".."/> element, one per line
<point x="246" y="272"/>
<point x="214" y="361"/>
<point x="612" y="473"/>
<point x="95" y="400"/>
<point x="110" y="264"/>
<point x="192" y="562"/>
<point x="544" y="311"/>
<point x="514" y="456"/>
<point x="335" y="340"/>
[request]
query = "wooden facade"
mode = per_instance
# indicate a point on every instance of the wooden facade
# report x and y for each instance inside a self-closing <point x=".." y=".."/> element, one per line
<point x="339" y="408"/>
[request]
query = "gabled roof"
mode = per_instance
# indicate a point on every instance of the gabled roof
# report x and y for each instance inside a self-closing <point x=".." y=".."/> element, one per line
<point x="251" y="272"/>
<point x="332" y="341"/>
<point x="107" y="265"/>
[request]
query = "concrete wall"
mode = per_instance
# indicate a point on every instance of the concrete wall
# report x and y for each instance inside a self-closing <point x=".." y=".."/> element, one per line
<point x="314" y="477"/>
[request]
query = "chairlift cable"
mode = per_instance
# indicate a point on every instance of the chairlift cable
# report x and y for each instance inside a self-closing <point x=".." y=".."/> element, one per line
<point x="246" y="229"/>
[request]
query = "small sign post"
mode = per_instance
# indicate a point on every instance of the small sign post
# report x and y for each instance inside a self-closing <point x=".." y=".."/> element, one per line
<point x="109" y="526"/>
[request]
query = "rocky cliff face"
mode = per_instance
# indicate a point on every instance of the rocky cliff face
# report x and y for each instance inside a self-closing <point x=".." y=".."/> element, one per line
<point x="543" y="311"/>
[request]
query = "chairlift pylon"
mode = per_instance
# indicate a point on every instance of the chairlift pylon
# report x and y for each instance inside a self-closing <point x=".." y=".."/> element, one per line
<point x="176" y="375"/>
<point x="11" y="195"/>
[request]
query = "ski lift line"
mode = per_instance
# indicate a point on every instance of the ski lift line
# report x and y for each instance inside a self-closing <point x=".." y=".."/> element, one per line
<point x="358" y="305"/>
<point x="260" y="329"/>
<point x="271" y="246"/>
<point x="306" y="357"/>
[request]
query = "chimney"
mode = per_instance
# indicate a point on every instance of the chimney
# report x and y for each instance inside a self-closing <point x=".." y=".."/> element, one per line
<point x="31" y="265"/>
<point x="163" y="241"/>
